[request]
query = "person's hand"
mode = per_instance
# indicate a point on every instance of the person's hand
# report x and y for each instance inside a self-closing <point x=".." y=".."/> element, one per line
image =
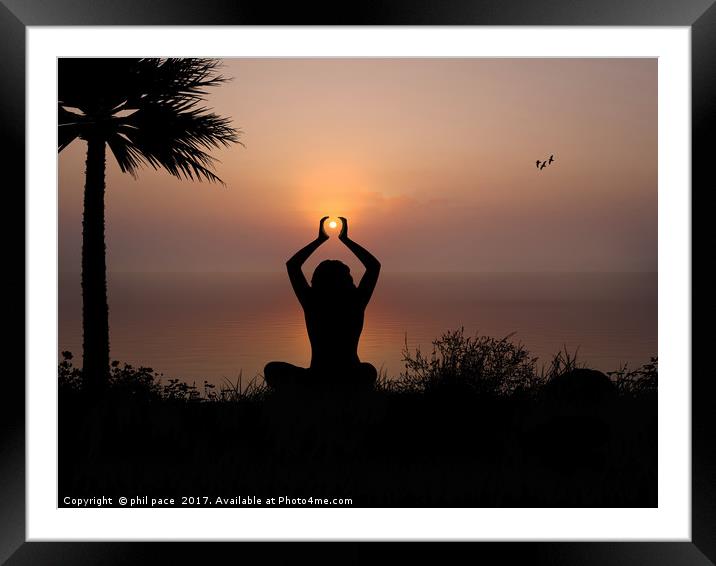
<point x="344" y="229"/>
<point x="322" y="236"/>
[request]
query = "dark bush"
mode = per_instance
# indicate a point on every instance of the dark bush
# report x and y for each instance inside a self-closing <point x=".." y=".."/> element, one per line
<point x="480" y="364"/>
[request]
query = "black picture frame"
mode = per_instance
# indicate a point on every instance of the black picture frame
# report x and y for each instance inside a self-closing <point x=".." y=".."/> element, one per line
<point x="699" y="15"/>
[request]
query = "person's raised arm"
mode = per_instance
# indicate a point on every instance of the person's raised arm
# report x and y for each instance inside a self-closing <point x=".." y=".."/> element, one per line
<point x="369" y="261"/>
<point x="293" y="265"/>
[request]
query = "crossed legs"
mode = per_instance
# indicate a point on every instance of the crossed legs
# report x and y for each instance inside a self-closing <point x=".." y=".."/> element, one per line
<point x="282" y="375"/>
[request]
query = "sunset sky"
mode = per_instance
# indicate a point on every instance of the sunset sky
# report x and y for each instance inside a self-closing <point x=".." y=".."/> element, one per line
<point x="431" y="160"/>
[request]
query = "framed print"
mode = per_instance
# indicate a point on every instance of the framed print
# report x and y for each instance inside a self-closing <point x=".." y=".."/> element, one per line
<point x="412" y="279"/>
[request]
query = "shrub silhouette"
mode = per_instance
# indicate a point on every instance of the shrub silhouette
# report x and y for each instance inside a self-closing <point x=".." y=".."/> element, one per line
<point x="634" y="382"/>
<point x="144" y="384"/>
<point x="480" y="364"/>
<point x="492" y="367"/>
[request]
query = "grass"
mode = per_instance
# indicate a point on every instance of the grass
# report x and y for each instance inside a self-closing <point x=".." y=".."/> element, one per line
<point x="474" y="422"/>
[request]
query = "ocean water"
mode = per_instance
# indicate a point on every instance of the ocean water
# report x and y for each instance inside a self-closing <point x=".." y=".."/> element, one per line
<point x="211" y="326"/>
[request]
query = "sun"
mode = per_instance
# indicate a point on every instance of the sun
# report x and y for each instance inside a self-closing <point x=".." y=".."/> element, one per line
<point x="332" y="224"/>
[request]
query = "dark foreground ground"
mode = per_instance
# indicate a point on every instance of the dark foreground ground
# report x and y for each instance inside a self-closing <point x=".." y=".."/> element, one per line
<point x="475" y="423"/>
<point x="381" y="449"/>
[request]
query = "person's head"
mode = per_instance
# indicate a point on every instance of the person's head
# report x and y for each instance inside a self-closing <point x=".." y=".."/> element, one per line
<point x="332" y="276"/>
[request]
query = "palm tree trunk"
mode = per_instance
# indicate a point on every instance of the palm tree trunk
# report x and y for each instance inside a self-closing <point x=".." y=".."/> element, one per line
<point x="95" y="311"/>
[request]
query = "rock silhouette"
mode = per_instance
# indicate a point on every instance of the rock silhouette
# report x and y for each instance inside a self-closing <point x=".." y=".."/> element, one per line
<point x="581" y="387"/>
<point x="576" y="430"/>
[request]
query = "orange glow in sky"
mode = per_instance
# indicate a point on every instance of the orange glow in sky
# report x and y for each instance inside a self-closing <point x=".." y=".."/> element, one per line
<point x="431" y="160"/>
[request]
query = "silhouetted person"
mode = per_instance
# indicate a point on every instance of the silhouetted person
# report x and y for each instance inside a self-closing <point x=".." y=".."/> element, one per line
<point x="544" y="164"/>
<point x="538" y="162"/>
<point x="334" y="309"/>
<point x="551" y="159"/>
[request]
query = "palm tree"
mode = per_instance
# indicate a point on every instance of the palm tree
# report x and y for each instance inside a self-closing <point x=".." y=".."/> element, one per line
<point x="147" y="111"/>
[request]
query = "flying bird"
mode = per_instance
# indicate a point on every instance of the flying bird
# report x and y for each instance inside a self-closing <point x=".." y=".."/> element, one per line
<point x="542" y="164"/>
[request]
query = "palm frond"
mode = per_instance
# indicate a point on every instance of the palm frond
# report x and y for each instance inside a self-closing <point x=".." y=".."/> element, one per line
<point x="128" y="159"/>
<point x="147" y="110"/>
<point x="174" y="137"/>
<point x="70" y="127"/>
<point x="177" y="78"/>
<point x="94" y="85"/>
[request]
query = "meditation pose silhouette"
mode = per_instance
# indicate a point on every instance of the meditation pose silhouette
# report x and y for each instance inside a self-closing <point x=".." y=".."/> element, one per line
<point x="334" y="310"/>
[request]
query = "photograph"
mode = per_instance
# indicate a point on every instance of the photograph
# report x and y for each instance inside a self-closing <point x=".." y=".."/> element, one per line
<point x="357" y="282"/>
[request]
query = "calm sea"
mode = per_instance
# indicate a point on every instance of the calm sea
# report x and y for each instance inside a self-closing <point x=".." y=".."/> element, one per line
<point x="209" y="326"/>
